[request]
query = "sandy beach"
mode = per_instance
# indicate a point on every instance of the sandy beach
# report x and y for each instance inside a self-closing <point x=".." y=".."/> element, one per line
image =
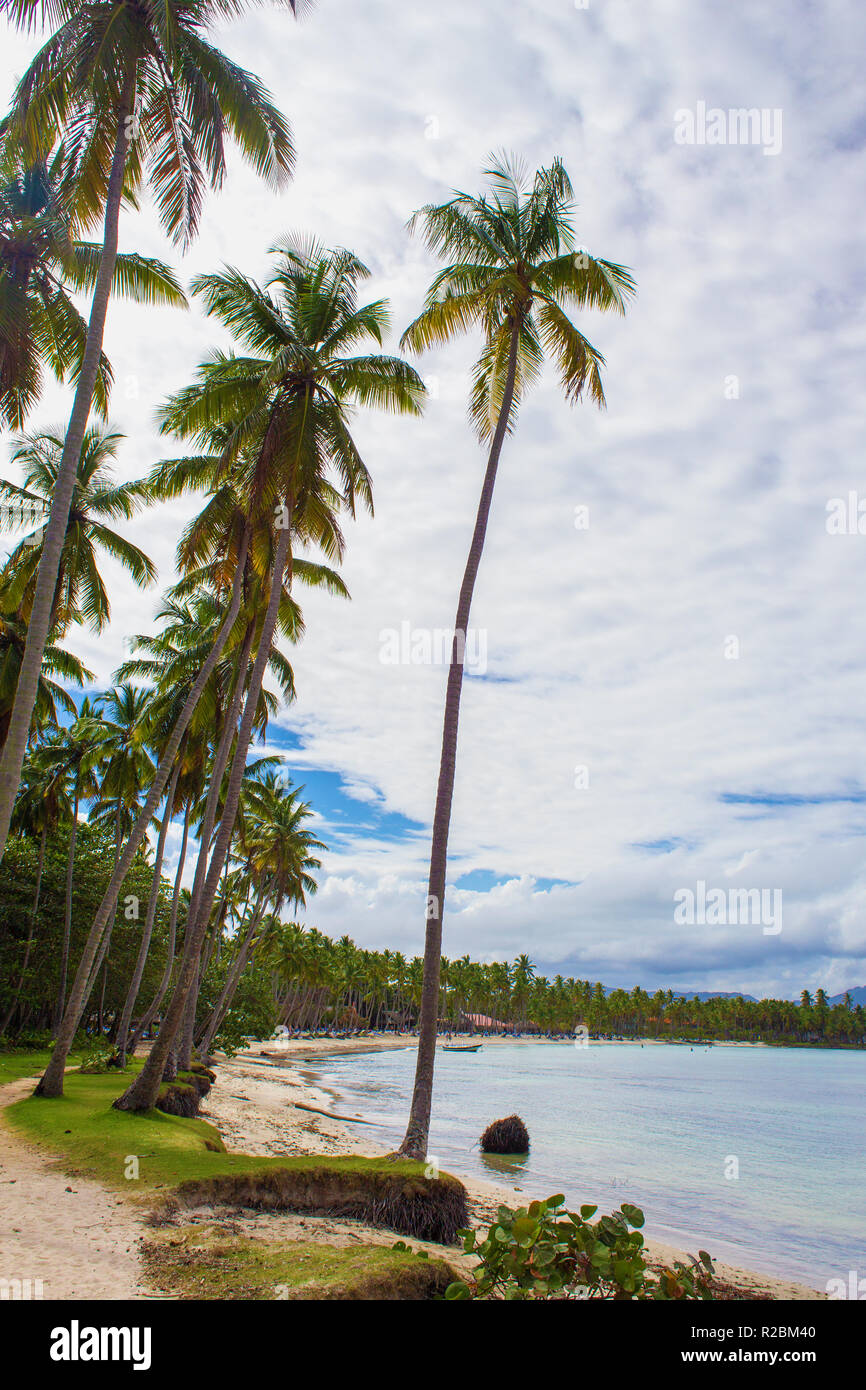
<point x="84" y="1241"/>
<point x="73" y="1235"/>
<point x="259" y="1103"/>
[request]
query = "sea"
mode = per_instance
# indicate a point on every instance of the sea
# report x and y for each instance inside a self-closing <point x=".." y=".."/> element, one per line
<point x="755" y="1154"/>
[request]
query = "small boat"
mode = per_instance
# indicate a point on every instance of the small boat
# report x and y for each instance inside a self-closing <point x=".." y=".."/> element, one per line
<point x="454" y="1047"/>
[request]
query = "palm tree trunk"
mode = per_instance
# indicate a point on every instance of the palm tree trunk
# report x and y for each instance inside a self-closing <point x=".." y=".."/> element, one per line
<point x="52" y="1081"/>
<point x="153" y="1008"/>
<point x="147" y="931"/>
<point x="185" y="1040"/>
<point x="102" y="956"/>
<point x="229" y="989"/>
<point x="102" y="953"/>
<point x="67" y="916"/>
<point x="54" y="536"/>
<point x="33" y="911"/>
<point x="142" y="1094"/>
<point x="220" y="763"/>
<point x="415" y="1141"/>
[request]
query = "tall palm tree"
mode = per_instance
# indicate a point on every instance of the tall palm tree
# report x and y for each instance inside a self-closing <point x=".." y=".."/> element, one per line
<point x="127" y="768"/>
<point x="279" y="851"/>
<point x="295" y="462"/>
<point x="137" y="96"/>
<point x="42" y="803"/>
<point x="73" y="755"/>
<point x="42" y="261"/>
<point x="512" y="273"/>
<point x="97" y="498"/>
<point x="51" y="696"/>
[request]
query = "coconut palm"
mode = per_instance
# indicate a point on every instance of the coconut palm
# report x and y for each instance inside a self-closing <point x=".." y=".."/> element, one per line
<point x="97" y="498"/>
<point x="52" y="698"/>
<point x="291" y="456"/>
<point x="72" y="757"/>
<point x="42" y="261"/>
<point x="127" y="768"/>
<point x="137" y="96"/>
<point x="279" y="852"/>
<point x="512" y="273"/>
<point x="42" y="803"/>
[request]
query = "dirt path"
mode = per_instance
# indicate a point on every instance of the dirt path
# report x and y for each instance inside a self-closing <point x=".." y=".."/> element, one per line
<point x="78" y="1237"/>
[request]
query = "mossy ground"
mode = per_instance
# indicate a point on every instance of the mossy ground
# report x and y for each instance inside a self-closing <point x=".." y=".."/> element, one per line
<point x="206" y="1262"/>
<point x="14" y="1065"/>
<point x="153" y="1154"/>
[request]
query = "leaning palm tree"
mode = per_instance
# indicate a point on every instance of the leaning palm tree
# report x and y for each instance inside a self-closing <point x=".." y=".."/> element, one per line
<point x="39" y="324"/>
<point x="278" y="849"/>
<point x="97" y="499"/>
<point x="136" y="95"/>
<point x="42" y="262"/>
<point x="43" y="802"/>
<point x="294" y="460"/>
<point x="71" y="757"/>
<point x="58" y="665"/>
<point x="512" y="273"/>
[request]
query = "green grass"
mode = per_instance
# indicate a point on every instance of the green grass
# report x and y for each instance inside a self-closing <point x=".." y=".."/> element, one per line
<point x="202" y="1262"/>
<point x="14" y="1065"/>
<point x="92" y="1139"/>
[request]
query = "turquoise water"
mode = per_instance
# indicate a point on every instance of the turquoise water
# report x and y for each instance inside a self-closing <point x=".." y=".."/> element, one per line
<point x="658" y="1126"/>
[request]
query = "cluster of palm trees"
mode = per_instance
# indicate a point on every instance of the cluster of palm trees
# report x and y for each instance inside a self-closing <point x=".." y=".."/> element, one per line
<point x="323" y="984"/>
<point x="102" y="762"/>
<point x="128" y="97"/>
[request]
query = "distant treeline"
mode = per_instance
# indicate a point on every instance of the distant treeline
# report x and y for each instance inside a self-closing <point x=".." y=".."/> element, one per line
<point x="301" y="979"/>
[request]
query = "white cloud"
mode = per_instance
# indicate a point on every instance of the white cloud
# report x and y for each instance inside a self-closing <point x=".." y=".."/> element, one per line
<point x="606" y="647"/>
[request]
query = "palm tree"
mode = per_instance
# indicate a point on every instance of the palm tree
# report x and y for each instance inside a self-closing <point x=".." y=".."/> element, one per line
<point x="80" y="594"/>
<point x="51" y="696"/>
<point x="42" y="803"/>
<point x="169" y="661"/>
<point x="42" y="259"/>
<point x="124" y="714"/>
<point x="136" y="95"/>
<point x="294" y="461"/>
<point x="73" y="756"/>
<point x="279" y="853"/>
<point x="513" y="272"/>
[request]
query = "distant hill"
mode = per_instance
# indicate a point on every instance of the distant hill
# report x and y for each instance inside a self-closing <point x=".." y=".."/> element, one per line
<point x="701" y="994"/>
<point x="858" y="996"/>
<point x="857" y="993"/>
<point x="704" y="994"/>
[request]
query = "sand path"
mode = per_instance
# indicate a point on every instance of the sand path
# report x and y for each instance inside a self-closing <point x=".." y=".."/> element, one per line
<point x="75" y="1235"/>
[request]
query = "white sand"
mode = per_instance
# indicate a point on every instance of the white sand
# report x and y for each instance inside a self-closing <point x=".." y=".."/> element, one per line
<point x="75" y="1235"/>
<point x="254" y="1105"/>
<point x="82" y="1240"/>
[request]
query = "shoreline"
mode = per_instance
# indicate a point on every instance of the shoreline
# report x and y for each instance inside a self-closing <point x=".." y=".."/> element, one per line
<point x="274" y="1104"/>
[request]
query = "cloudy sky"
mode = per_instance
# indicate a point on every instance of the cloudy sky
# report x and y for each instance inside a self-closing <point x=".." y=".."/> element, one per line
<point x="674" y="693"/>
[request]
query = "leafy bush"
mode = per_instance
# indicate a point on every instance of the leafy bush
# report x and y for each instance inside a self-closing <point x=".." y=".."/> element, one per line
<point x="31" y="1040"/>
<point x="544" y="1251"/>
<point x="97" y="1057"/>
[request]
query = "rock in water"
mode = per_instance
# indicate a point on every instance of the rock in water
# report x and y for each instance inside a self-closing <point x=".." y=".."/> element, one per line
<point x="508" y="1136"/>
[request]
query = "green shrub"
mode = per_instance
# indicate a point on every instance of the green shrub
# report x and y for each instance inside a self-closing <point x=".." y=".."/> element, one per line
<point x="97" y="1057"/>
<point x="544" y="1251"/>
<point x="29" y="1040"/>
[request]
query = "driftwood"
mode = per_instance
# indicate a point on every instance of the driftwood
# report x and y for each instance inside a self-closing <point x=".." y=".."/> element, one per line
<point x="329" y="1115"/>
